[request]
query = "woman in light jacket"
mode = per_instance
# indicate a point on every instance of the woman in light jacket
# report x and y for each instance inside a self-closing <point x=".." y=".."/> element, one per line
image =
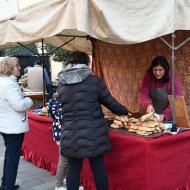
<point x="14" y="123"/>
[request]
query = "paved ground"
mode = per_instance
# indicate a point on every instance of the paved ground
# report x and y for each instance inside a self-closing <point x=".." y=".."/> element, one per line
<point x="29" y="176"/>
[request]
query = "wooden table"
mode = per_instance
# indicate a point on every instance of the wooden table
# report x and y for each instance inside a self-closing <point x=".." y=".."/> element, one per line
<point x="37" y="97"/>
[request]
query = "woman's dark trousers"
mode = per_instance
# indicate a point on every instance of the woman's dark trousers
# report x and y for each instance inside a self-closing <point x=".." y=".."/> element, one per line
<point x="97" y="166"/>
<point x="13" y="145"/>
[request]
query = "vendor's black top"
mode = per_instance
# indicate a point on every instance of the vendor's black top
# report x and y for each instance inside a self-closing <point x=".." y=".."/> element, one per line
<point x="85" y="131"/>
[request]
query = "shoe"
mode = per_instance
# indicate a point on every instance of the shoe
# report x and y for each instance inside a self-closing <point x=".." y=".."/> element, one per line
<point x="64" y="188"/>
<point x="60" y="188"/>
<point x="81" y="187"/>
<point x="64" y="183"/>
<point x="15" y="187"/>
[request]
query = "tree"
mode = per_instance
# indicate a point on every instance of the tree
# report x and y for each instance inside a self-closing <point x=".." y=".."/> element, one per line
<point x="58" y="55"/>
<point x="21" y="50"/>
<point x="2" y="53"/>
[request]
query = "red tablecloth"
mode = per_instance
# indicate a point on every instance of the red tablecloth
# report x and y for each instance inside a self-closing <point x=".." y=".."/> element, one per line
<point x="38" y="145"/>
<point x="134" y="163"/>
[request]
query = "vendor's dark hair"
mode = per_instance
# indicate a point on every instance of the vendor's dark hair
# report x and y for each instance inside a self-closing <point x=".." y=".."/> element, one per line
<point x="78" y="57"/>
<point x="162" y="61"/>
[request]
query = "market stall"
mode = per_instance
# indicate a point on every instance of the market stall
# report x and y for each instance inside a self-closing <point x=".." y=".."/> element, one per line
<point x="125" y="37"/>
<point x="133" y="25"/>
<point x="134" y="163"/>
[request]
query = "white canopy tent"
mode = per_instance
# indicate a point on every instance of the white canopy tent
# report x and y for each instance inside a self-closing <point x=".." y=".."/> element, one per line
<point x="115" y="21"/>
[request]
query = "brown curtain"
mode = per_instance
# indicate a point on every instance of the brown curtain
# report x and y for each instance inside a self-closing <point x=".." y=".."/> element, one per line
<point x="122" y="67"/>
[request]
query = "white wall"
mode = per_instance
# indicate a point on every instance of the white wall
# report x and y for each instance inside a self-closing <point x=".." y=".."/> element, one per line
<point x="56" y="67"/>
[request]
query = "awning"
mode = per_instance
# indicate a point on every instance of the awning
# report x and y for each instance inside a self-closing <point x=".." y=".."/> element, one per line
<point x="115" y="21"/>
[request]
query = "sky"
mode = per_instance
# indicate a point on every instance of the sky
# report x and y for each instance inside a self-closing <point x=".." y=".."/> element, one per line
<point x="8" y="8"/>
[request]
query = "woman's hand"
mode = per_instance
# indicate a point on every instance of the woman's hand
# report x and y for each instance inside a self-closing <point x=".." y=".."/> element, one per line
<point x="161" y="118"/>
<point x="150" y="108"/>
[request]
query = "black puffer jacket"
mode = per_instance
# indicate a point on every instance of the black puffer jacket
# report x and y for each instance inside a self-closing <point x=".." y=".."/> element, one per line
<point x="85" y="131"/>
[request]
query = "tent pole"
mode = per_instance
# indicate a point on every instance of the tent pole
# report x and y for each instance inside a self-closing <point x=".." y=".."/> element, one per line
<point x="174" y="127"/>
<point x="166" y="42"/>
<point x="43" y="65"/>
<point x="59" y="47"/>
<point x="93" y="42"/>
<point x="173" y="59"/>
<point x="182" y="43"/>
<point x="35" y="53"/>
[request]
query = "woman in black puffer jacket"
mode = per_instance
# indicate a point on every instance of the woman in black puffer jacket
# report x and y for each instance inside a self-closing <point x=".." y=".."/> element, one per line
<point x="85" y="131"/>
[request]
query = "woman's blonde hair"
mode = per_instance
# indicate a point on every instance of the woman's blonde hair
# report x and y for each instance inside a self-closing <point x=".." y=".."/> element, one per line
<point x="7" y="64"/>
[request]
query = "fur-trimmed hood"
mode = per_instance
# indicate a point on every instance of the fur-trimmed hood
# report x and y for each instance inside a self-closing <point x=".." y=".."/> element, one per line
<point x="74" y="74"/>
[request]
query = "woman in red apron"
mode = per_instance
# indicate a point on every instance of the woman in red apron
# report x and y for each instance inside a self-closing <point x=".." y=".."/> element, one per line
<point x="156" y="87"/>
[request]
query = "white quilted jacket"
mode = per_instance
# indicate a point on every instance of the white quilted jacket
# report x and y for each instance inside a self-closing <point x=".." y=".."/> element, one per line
<point x="13" y="107"/>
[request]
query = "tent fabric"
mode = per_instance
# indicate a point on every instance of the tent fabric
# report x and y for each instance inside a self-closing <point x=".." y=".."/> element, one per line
<point x="122" y="67"/>
<point x="116" y="21"/>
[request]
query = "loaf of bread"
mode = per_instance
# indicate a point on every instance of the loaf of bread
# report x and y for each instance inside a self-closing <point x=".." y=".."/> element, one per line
<point x="133" y="120"/>
<point x="144" y="133"/>
<point x="147" y="129"/>
<point x="114" y="126"/>
<point x="144" y="126"/>
<point x="122" y="118"/>
<point x="147" y="116"/>
<point x="149" y="124"/>
<point x="131" y="130"/>
<point x="161" y="126"/>
<point x="117" y="122"/>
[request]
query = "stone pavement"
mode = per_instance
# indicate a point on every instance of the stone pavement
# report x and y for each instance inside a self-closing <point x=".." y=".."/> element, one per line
<point x="29" y="176"/>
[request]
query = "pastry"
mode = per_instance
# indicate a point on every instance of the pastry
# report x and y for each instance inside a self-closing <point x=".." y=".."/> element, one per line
<point x="133" y="120"/>
<point x="117" y="122"/>
<point x="114" y="126"/>
<point x="149" y="124"/>
<point x="146" y="129"/>
<point x="147" y="116"/>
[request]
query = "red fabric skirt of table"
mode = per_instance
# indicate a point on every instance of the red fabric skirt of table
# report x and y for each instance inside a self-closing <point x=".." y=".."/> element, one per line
<point x="134" y="163"/>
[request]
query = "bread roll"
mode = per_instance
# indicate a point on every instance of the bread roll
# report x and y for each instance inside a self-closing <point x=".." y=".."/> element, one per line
<point x="126" y="118"/>
<point x="158" y="129"/>
<point x="117" y="118"/>
<point x="138" y="123"/>
<point x="144" y="133"/>
<point x="147" y="116"/>
<point x="121" y="118"/>
<point x="125" y="123"/>
<point x="147" y="129"/>
<point x="161" y="126"/>
<point x="117" y="122"/>
<point x="149" y="124"/>
<point x="132" y="130"/>
<point x="133" y="126"/>
<point x="133" y="120"/>
<point x="114" y="126"/>
<point x="126" y="126"/>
